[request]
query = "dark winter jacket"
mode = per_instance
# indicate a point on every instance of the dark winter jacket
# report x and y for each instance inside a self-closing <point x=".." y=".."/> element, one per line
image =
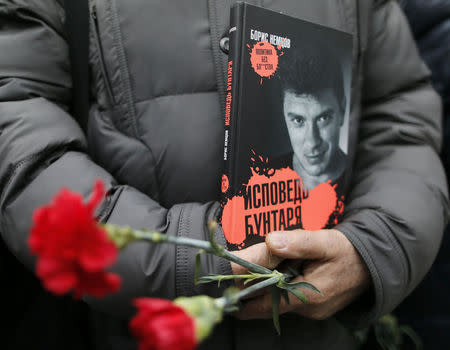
<point x="428" y="308"/>
<point x="155" y="137"/>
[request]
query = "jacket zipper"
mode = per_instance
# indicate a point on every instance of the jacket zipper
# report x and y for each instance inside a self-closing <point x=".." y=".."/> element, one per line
<point x="105" y="75"/>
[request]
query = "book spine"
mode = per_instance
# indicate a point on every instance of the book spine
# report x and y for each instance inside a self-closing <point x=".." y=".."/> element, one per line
<point x="231" y="102"/>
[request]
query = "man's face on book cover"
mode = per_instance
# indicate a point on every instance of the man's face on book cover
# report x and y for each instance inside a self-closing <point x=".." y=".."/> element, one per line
<point x="313" y="123"/>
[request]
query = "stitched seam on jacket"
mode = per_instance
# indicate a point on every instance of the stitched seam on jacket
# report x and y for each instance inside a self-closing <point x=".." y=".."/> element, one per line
<point x="224" y="264"/>
<point x="8" y="179"/>
<point x="181" y="259"/>
<point x="157" y="97"/>
<point x="187" y="281"/>
<point x="215" y="38"/>
<point x="125" y="78"/>
<point x="123" y="66"/>
<point x="98" y="51"/>
<point x="115" y="72"/>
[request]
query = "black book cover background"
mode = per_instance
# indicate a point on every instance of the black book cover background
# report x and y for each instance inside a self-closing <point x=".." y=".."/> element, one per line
<point x="260" y="122"/>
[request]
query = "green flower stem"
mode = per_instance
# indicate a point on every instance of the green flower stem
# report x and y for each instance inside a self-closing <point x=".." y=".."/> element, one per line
<point x="261" y="285"/>
<point x="249" y="265"/>
<point x="157" y="237"/>
<point x="252" y="277"/>
<point x="229" y="302"/>
<point x="232" y="301"/>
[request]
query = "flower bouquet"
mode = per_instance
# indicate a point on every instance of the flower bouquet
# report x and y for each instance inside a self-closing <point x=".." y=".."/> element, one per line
<point x="74" y="252"/>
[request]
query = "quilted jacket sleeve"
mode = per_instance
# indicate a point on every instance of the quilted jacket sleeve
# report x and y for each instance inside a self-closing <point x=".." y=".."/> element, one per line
<point x="398" y="204"/>
<point x="43" y="149"/>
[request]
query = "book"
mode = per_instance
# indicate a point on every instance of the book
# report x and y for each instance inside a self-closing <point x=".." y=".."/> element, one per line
<point x="286" y="125"/>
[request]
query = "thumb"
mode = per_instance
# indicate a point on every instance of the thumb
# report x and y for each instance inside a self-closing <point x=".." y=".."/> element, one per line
<point x="300" y="244"/>
<point x="258" y="254"/>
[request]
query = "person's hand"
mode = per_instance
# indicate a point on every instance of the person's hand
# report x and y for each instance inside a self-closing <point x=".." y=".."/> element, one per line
<point x="257" y="254"/>
<point x="330" y="263"/>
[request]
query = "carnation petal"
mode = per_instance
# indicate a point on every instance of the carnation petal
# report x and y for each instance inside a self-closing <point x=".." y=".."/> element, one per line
<point x="98" y="254"/>
<point x="97" y="284"/>
<point x="97" y="195"/>
<point x="60" y="284"/>
<point x="160" y="324"/>
<point x="73" y="251"/>
<point x="57" y="276"/>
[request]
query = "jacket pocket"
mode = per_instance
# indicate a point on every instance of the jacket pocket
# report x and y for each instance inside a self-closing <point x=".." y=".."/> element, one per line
<point x="104" y="71"/>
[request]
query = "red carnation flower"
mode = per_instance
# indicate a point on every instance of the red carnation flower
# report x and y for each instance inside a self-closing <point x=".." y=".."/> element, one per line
<point x="162" y="325"/>
<point x="73" y="250"/>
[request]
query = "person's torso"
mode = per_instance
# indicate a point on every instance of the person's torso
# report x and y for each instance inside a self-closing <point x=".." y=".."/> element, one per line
<point x="157" y="124"/>
<point x="159" y="74"/>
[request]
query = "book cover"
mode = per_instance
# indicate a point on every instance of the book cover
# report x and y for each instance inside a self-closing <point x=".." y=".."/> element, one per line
<point x="286" y="125"/>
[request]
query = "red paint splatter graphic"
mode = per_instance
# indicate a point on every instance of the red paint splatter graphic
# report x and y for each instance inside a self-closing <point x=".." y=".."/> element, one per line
<point x="339" y="211"/>
<point x="317" y="208"/>
<point x="264" y="59"/>
<point x="277" y="202"/>
<point x="260" y="165"/>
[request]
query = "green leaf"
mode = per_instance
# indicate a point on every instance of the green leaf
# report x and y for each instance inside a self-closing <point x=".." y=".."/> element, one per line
<point x="305" y="285"/>
<point x="251" y="279"/>
<point x="209" y="279"/>
<point x="276" y="298"/>
<point x="387" y="333"/>
<point x="285" y="295"/>
<point x="298" y="293"/>
<point x="247" y="281"/>
<point x="197" y="265"/>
